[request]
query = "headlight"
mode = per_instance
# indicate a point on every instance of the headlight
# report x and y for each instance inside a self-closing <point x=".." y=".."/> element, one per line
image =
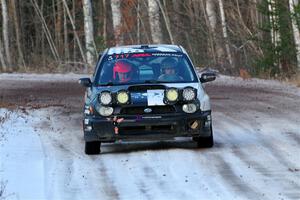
<point x="172" y="94"/>
<point x="105" y="98"/>
<point x="123" y="97"/>
<point x="106" y="111"/>
<point x="189" y="108"/>
<point x="189" y="94"/>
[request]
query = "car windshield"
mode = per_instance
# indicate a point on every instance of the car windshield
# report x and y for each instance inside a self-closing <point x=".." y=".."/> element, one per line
<point x="118" y="69"/>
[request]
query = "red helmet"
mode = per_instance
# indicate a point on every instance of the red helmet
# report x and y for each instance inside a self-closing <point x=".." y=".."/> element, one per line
<point x="122" y="67"/>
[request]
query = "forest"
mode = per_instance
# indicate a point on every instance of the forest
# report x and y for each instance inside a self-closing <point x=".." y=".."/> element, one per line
<point x="254" y="37"/>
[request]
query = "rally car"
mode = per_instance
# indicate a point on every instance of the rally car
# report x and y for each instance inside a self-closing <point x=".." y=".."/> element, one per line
<point x="146" y="92"/>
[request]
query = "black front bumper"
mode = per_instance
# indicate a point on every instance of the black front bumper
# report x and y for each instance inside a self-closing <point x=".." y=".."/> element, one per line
<point x="147" y="127"/>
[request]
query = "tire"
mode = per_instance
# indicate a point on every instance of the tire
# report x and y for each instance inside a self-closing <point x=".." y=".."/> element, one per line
<point x="92" y="148"/>
<point x="205" y="142"/>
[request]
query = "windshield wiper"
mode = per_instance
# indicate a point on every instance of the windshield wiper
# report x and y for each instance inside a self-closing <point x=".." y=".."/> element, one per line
<point x="107" y="84"/>
<point x="151" y="81"/>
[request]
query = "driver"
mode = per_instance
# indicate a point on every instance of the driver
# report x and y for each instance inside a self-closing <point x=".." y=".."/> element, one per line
<point x="169" y="70"/>
<point x="122" y="71"/>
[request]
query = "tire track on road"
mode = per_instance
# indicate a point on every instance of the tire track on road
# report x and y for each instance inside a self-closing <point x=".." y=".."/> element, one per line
<point x="233" y="180"/>
<point x="291" y="188"/>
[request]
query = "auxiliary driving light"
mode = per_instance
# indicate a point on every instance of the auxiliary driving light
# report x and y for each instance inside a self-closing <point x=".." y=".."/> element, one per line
<point x="188" y="94"/>
<point x="172" y="94"/>
<point x="189" y="108"/>
<point x="106" y="111"/>
<point x="88" y="128"/>
<point x="105" y="98"/>
<point x="122" y="97"/>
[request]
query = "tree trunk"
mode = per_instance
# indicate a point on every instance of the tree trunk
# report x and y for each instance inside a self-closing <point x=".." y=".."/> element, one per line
<point x="296" y="34"/>
<point x="154" y="20"/>
<point x="225" y="35"/>
<point x="74" y="30"/>
<point x="138" y="34"/>
<point x="43" y="37"/>
<point x="47" y="32"/>
<point x="275" y="34"/>
<point x="212" y="24"/>
<point x="89" y="32"/>
<point x="116" y="17"/>
<point x="2" y="60"/>
<point x="59" y="25"/>
<point x="21" y="60"/>
<point x="146" y="33"/>
<point x="74" y="18"/>
<point x="167" y="21"/>
<point x="5" y="32"/>
<point x="66" y="40"/>
<point x="104" y="33"/>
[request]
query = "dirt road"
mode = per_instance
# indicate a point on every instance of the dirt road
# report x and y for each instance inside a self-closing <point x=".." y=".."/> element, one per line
<point x="256" y="156"/>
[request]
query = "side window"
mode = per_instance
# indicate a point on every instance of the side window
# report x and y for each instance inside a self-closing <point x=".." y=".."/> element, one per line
<point x="97" y="66"/>
<point x="146" y="73"/>
<point x="185" y="70"/>
<point x="106" y="72"/>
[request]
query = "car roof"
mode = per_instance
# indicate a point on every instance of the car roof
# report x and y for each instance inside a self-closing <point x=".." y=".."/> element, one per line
<point x="163" y="48"/>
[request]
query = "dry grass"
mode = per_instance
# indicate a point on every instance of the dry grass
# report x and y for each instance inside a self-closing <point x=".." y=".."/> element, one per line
<point x="295" y="80"/>
<point x="244" y="74"/>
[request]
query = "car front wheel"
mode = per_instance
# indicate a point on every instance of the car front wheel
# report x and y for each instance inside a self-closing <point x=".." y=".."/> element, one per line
<point x="92" y="148"/>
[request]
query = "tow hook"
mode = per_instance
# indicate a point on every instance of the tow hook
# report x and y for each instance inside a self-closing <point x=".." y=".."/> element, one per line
<point x="116" y="122"/>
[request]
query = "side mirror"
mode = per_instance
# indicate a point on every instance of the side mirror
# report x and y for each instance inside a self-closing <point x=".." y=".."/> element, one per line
<point x="207" y="77"/>
<point x="85" y="82"/>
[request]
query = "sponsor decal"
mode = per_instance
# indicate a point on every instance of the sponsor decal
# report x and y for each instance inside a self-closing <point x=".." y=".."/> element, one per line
<point x="140" y="55"/>
<point x="167" y="54"/>
<point x="148" y="110"/>
<point x="151" y="117"/>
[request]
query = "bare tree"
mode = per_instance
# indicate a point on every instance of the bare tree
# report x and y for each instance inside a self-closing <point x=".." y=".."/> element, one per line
<point x="275" y="34"/>
<point x="212" y="23"/>
<point x="66" y="40"/>
<point x="5" y="31"/>
<point x="74" y="30"/>
<point x="58" y="26"/>
<point x="116" y="18"/>
<point x="167" y="21"/>
<point x="2" y="60"/>
<point x="89" y="32"/>
<point x="104" y="31"/>
<point x="155" y="26"/>
<point x="225" y="34"/>
<point x="47" y="32"/>
<point x="21" y="60"/>
<point x="296" y="34"/>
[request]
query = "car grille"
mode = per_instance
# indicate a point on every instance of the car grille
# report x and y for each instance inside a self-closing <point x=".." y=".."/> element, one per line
<point x="138" y="129"/>
<point x="140" y="110"/>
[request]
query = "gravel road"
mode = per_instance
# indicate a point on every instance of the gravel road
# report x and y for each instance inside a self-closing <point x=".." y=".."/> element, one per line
<point x="256" y="154"/>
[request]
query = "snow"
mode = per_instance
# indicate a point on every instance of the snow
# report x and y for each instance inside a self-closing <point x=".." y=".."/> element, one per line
<point x="42" y="77"/>
<point x="21" y="157"/>
<point x="256" y="156"/>
<point x="256" y="83"/>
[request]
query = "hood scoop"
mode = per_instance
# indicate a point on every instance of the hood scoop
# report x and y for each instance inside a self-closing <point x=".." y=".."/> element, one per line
<point x="144" y="88"/>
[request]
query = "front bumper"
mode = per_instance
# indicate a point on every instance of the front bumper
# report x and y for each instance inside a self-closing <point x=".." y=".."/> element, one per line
<point x="147" y="127"/>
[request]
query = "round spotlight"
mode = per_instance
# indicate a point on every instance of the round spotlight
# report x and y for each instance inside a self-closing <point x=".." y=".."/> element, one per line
<point x="189" y="94"/>
<point x="189" y="108"/>
<point x="172" y="94"/>
<point x="123" y="97"/>
<point x="105" y="98"/>
<point x="106" y="111"/>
